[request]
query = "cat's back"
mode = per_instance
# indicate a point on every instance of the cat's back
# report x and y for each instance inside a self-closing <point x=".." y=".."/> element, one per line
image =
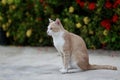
<point x="77" y="41"/>
<point x="76" y="38"/>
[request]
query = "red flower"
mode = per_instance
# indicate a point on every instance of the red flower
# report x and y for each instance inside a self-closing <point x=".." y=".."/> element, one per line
<point x="78" y="1"/>
<point x="81" y="3"/>
<point x="108" y="4"/>
<point x="41" y="1"/>
<point x="106" y="24"/>
<point x="91" y="6"/>
<point x="115" y="18"/>
<point x="116" y="3"/>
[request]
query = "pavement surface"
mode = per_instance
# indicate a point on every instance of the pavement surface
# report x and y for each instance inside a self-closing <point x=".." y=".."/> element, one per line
<point x="42" y="63"/>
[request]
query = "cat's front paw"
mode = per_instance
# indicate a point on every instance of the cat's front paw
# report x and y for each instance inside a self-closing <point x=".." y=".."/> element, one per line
<point x="61" y="66"/>
<point x="63" y="71"/>
<point x="70" y="67"/>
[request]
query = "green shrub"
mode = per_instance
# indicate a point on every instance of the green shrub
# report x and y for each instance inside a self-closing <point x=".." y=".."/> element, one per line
<point x="97" y="21"/>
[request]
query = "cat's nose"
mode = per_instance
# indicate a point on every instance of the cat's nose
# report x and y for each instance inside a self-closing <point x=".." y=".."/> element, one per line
<point x="47" y="32"/>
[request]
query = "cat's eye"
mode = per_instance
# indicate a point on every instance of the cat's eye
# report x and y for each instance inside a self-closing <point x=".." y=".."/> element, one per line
<point x="50" y="28"/>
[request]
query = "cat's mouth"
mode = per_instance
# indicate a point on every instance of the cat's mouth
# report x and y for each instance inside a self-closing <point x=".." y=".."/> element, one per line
<point x="48" y="33"/>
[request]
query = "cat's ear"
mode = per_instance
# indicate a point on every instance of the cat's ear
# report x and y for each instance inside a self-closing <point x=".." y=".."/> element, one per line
<point x="50" y="20"/>
<point x="57" y="21"/>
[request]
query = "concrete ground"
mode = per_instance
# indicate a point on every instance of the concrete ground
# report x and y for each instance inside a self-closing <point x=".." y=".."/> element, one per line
<point x="38" y="63"/>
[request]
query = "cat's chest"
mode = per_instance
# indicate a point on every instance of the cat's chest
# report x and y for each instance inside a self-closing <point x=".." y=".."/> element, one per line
<point x="59" y="43"/>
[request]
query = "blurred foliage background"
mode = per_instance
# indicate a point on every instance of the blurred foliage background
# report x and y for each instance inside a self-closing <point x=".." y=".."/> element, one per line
<point x="24" y="22"/>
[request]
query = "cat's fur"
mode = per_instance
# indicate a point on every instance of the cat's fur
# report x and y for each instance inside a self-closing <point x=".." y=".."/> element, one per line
<point x="72" y="48"/>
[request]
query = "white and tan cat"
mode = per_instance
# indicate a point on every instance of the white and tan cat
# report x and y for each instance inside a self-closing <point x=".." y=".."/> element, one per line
<point x="72" y="48"/>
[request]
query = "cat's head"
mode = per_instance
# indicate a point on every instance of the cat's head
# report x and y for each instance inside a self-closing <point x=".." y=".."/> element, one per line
<point x="54" y="27"/>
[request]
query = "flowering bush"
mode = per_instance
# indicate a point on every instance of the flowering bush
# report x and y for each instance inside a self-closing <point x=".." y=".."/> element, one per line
<point x="97" y="21"/>
<point x="103" y="30"/>
<point x="24" y="22"/>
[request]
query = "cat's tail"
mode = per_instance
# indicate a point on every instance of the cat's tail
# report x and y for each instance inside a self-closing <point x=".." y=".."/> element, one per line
<point x="109" y="67"/>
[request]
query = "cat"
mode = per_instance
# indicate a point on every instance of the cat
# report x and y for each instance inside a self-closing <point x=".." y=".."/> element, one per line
<point x="72" y="48"/>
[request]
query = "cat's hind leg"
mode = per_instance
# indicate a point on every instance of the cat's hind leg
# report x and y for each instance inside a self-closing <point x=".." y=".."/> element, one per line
<point x="82" y="62"/>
